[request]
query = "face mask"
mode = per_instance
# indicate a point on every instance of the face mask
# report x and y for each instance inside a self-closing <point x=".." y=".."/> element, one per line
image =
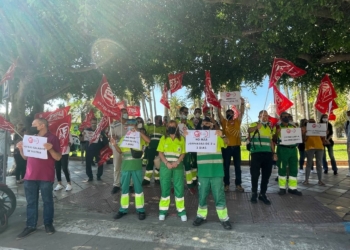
<point x="125" y="116"/>
<point x="324" y="119"/>
<point x="184" y="117"/>
<point x="262" y="122"/>
<point x="228" y="117"/>
<point x="139" y="125"/>
<point x="33" y="131"/>
<point x="197" y="115"/>
<point x="206" y="127"/>
<point x="285" y="120"/>
<point x="171" y="130"/>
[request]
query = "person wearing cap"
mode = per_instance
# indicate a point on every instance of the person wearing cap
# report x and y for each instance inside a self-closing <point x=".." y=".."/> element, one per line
<point x="232" y="131"/>
<point x="131" y="167"/>
<point x="171" y="149"/>
<point x="155" y="132"/>
<point x="287" y="158"/>
<point x="210" y="174"/>
<point x="262" y="153"/>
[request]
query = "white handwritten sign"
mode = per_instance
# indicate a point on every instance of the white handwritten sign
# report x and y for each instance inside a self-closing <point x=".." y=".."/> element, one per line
<point x="316" y="129"/>
<point x="291" y="136"/>
<point x="204" y="141"/>
<point x="33" y="146"/>
<point x="131" y="140"/>
<point x="231" y="98"/>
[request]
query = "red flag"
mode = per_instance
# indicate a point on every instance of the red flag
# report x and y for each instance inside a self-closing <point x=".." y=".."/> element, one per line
<point x="211" y="97"/>
<point x="332" y="116"/>
<point x="175" y="81"/>
<point x="52" y="116"/>
<point x="86" y="122"/>
<point x="9" y="73"/>
<point x="6" y="125"/>
<point x="61" y="128"/>
<point x="100" y="127"/>
<point x="133" y="110"/>
<point x="205" y="107"/>
<point x="326" y="94"/>
<point x="273" y="121"/>
<point x="105" y="154"/>
<point x="282" y="103"/>
<point x="105" y="100"/>
<point x="235" y="112"/>
<point x="121" y="105"/>
<point x="281" y="66"/>
<point x="164" y="99"/>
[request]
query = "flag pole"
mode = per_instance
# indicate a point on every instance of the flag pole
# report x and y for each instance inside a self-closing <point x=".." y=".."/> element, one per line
<point x="267" y="94"/>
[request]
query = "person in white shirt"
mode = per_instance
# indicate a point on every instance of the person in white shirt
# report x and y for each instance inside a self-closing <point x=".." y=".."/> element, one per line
<point x="63" y="165"/>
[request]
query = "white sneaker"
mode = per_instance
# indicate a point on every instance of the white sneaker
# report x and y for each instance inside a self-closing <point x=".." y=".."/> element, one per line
<point x="69" y="187"/>
<point x="58" y="187"/>
<point x="183" y="217"/>
<point x="348" y="174"/>
<point x="301" y="171"/>
<point x="162" y="217"/>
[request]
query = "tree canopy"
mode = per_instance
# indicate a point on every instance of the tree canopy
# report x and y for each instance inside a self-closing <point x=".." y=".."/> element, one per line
<point x="65" y="46"/>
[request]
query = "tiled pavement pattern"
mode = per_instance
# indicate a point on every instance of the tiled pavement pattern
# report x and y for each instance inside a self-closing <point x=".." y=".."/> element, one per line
<point x="330" y="203"/>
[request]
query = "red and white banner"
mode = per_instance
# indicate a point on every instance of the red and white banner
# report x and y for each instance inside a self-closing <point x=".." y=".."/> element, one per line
<point x="273" y="121"/>
<point x="61" y="129"/>
<point x="105" y="154"/>
<point x="133" y="110"/>
<point x="205" y="107"/>
<point x="164" y="100"/>
<point x="86" y="123"/>
<point x="9" y="73"/>
<point x="100" y="127"/>
<point x="281" y="66"/>
<point x="105" y="100"/>
<point x="209" y="93"/>
<point x="282" y="103"/>
<point x="175" y="81"/>
<point x="52" y="116"/>
<point x="121" y="105"/>
<point x="326" y="94"/>
<point x="6" y="125"/>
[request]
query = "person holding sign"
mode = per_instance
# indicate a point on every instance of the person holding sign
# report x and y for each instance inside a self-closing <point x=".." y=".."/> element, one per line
<point x="313" y="147"/>
<point x="287" y="155"/>
<point x="232" y="130"/>
<point x="40" y="176"/>
<point x="210" y="174"/>
<point x="262" y="153"/>
<point x="131" y="167"/>
<point x="328" y="144"/>
<point x="171" y="151"/>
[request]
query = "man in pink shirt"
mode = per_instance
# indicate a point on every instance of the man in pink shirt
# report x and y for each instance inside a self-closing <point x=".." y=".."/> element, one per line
<point x="40" y="175"/>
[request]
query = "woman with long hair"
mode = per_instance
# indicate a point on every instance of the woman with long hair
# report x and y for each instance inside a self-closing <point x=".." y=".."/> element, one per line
<point x="171" y="150"/>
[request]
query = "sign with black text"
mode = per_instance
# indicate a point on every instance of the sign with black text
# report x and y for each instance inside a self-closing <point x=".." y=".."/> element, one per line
<point x="204" y="141"/>
<point x="33" y="146"/>
<point x="291" y="136"/>
<point x="131" y="140"/>
<point x="316" y="129"/>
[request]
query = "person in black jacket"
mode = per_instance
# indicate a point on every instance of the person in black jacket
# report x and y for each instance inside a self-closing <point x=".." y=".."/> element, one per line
<point x="328" y="144"/>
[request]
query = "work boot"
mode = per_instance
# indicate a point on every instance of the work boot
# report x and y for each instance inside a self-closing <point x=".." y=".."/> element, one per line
<point x="282" y="191"/>
<point x="198" y="221"/>
<point x="264" y="199"/>
<point x="254" y="198"/>
<point x="295" y="192"/>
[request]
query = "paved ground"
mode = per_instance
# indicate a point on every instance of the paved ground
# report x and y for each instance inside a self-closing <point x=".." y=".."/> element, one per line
<point x="83" y="218"/>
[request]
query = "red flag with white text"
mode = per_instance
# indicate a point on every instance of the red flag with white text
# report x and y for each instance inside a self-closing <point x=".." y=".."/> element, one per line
<point x="326" y="94"/>
<point x="175" y="81"/>
<point x="9" y="73"/>
<point x="273" y="121"/>
<point x="86" y="123"/>
<point x="282" y="103"/>
<point x="105" y="100"/>
<point x="236" y="112"/>
<point x="6" y="125"/>
<point x="133" y="110"/>
<point x="121" y="104"/>
<point x="105" y="154"/>
<point x="164" y="99"/>
<point x="205" y="107"/>
<point x="211" y="97"/>
<point x="52" y="116"/>
<point x="100" y="127"/>
<point x="61" y="128"/>
<point x="281" y="66"/>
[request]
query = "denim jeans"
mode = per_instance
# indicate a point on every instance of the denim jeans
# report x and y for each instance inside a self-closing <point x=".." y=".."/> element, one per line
<point x="31" y="189"/>
<point x="331" y="156"/>
<point x="227" y="153"/>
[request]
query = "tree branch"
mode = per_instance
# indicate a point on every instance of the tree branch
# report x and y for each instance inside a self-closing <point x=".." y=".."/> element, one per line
<point x="327" y="59"/>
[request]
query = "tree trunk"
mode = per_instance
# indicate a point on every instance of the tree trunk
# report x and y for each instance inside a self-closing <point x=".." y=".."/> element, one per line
<point x="150" y="106"/>
<point x="144" y="109"/>
<point x="154" y="101"/>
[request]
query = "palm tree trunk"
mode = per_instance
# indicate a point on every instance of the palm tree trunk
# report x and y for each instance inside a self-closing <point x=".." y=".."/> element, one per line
<point x="150" y="106"/>
<point x="154" y="101"/>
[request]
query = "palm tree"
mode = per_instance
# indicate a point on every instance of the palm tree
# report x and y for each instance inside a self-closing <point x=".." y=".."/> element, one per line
<point x="175" y="104"/>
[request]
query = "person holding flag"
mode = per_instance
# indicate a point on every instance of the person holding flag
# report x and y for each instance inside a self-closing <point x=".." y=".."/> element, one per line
<point x="131" y="167"/>
<point x="155" y="132"/>
<point x="210" y="174"/>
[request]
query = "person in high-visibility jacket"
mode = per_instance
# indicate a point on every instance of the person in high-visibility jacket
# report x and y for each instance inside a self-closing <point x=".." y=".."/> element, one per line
<point x="131" y="167"/>
<point x="171" y="150"/>
<point x="287" y="158"/>
<point x="155" y="132"/>
<point x="210" y="174"/>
